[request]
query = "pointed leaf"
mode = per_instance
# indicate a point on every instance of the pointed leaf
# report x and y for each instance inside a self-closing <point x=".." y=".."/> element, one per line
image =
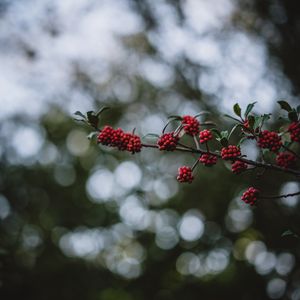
<point x="209" y="123"/>
<point x="249" y="109"/>
<point x="233" y="129"/>
<point x="101" y="110"/>
<point x="232" y="118"/>
<point x="175" y="117"/>
<point x="298" y="109"/>
<point x="224" y="134"/>
<point x="244" y="138"/>
<point x="80" y="114"/>
<point x="237" y="110"/>
<point x="284" y="105"/>
<point x="92" y="135"/>
<point x="216" y="132"/>
<point x="293" y="116"/>
<point x="151" y="135"/>
<point x="251" y="121"/>
<point x="202" y="113"/>
<point x="224" y="142"/>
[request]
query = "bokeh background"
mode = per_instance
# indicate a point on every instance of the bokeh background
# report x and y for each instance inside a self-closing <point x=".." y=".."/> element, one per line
<point x="78" y="221"/>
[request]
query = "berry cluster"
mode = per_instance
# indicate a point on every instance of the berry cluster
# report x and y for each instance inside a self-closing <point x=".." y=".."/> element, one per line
<point x="285" y="159"/>
<point x="269" y="140"/>
<point x="185" y="174"/>
<point x="208" y="160"/>
<point x="191" y="125"/>
<point x="230" y="152"/>
<point x="294" y="130"/>
<point x="238" y="167"/>
<point x="168" y="141"/>
<point x="250" y="196"/>
<point x="205" y="136"/>
<point x="120" y="139"/>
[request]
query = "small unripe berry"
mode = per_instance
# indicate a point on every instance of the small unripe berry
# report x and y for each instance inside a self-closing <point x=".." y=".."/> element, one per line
<point x="250" y="196"/>
<point x="238" y="167"/>
<point x="185" y="174"/>
<point x="269" y="140"/>
<point x="205" y="136"/>
<point x="208" y="160"/>
<point x="285" y="159"/>
<point x="294" y="130"/>
<point x="168" y="141"/>
<point x="190" y="125"/>
<point x="230" y="152"/>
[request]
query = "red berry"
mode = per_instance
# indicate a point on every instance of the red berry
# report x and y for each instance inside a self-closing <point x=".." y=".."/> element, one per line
<point x="185" y="174"/>
<point x="246" y="129"/>
<point x="238" y="167"/>
<point x="106" y="136"/>
<point x="294" y="130"/>
<point x="250" y="196"/>
<point x="190" y="125"/>
<point x="205" y="136"/>
<point x="269" y="140"/>
<point x="230" y="152"/>
<point x="132" y="143"/>
<point x="285" y="159"/>
<point x="168" y="141"/>
<point x="208" y="159"/>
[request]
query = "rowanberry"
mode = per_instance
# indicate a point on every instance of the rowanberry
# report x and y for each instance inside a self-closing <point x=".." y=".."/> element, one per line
<point x="185" y="174"/>
<point x="269" y="140"/>
<point x="168" y="141"/>
<point x="238" y="167"/>
<point x="208" y="160"/>
<point x="230" y="152"/>
<point x="190" y="125"/>
<point x="294" y="130"/>
<point x="250" y="196"/>
<point x="205" y="136"/>
<point x="285" y="159"/>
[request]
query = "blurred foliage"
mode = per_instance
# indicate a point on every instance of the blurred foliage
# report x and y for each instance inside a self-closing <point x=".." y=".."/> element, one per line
<point x="78" y="221"/>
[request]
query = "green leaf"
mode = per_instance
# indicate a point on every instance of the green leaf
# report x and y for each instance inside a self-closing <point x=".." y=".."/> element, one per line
<point x="233" y="129"/>
<point x="290" y="233"/>
<point x="209" y="123"/>
<point x="216" y="132"/>
<point x="101" y="110"/>
<point x="232" y="118"/>
<point x="237" y="110"/>
<point x="151" y="135"/>
<point x="251" y="121"/>
<point x="80" y="114"/>
<point x="224" y="142"/>
<point x="175" y="117"/>
<point x="284" y="105"/>
<point x="202" y="113"/>
<point x="242" y="140"/>
<point x="224" y="134"/>
<point x="92" y="119"/>
<point x="92" y="135"/>
<point x="298" y="109"/>
<point x="293" y="116"/>
<point x="249" y="109"/>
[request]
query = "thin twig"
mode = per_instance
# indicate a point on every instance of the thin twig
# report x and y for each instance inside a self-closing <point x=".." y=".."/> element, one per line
<point x="248" y="161"/>
<point x="280" y="196"/>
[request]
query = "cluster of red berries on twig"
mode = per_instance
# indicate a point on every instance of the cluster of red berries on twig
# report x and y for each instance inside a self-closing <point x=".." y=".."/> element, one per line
<point x="208" y="159"/>
<point x="285" y="159"/>
<point x="168" y="141"/>
<point x="294" y="130"/>
<point x="185" y="174"/>
<point x="124" y="141"/>
<point x="250" y="196"/>
<point x="269" y="140"/>
<point x="191" y="125"/>
<point x="238" y="167"/>
<point x="230" y="152"/>
<point x="205" y="136"/>
<point x="250" y="128"/>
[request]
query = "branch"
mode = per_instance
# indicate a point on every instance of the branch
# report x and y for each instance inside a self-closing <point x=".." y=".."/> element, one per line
<point x="248" y="161"/>
<point x="279" y="196"/>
